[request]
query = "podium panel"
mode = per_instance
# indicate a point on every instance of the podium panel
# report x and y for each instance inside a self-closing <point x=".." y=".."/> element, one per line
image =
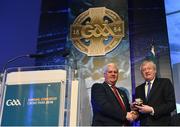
<point x="32" y="105"/>
<point x="36" y="96"/>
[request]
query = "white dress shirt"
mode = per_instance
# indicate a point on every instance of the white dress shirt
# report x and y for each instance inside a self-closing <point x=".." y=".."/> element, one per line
<point x="146" y="86"/>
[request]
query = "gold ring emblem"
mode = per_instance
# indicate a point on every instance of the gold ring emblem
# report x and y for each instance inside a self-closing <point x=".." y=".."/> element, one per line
<point x="97" y="31"/>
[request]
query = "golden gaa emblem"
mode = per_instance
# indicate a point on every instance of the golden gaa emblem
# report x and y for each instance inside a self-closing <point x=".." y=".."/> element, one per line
<point x="97" y="31"/>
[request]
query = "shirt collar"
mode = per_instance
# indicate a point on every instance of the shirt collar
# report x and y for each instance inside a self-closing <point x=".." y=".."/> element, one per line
<point x="152" y="81"/>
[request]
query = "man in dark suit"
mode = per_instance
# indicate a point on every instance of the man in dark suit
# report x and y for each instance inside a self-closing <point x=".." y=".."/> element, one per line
<point x="110" y="109"/>
<point x="157" y="95"/>
<point x="175" y="120"/>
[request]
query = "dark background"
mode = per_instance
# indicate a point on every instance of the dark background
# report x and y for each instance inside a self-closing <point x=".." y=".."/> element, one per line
<point x="19" y="22"/>
<point x="21" y="25"/>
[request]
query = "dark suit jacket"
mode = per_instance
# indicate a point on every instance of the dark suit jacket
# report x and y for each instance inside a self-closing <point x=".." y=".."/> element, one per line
<point x="161" y="98"/>
<point x="175" y="120"/>
<point x="106" y="109"/>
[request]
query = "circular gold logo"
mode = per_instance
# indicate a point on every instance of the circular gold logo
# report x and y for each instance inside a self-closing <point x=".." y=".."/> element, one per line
<point x="97" y="31"/>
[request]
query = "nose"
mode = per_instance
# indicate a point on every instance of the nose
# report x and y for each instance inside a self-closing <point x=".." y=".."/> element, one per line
<point x="146" y="70"/>
<point x="114" y="73"/>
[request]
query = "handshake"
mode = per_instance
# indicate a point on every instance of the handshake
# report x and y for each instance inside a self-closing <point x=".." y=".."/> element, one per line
<point x="132" y="116"/>
<point x="138" y="107"/>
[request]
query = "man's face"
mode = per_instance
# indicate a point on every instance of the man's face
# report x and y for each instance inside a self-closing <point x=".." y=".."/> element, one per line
<point x="111" y="75"/>
<point x="148" y="71"/>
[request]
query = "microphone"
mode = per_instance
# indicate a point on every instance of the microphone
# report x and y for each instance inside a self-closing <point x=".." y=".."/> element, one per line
<point x="9" y="61"/>
<point x="39" y="55"/>
<point x="16" y="58"/>
<point x="35" y="55"/>
<point x="65" y="53"/>
<point x="19" y="57"/>
<point x="13" y="59"/>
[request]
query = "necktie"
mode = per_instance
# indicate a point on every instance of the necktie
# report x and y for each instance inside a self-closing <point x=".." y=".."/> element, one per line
<point x="149" y="88"/>
<point x="118" y="98"/>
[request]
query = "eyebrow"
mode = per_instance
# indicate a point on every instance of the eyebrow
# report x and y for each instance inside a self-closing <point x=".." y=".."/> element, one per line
<point x="112" y="71"/>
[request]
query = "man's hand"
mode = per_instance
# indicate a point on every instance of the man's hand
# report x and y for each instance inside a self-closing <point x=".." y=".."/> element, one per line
<point x="145" y="109"/>
<point x="131" y="116"/>
<point x="132" y="106"/>
<point x="135" y="114"/>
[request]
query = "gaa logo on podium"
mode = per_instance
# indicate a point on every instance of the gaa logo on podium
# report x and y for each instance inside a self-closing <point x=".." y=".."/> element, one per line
<point x="13" y="102"/>
<point x="97" y="31"/>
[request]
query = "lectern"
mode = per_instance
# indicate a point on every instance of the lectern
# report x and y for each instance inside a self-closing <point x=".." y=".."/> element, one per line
<point x="39" y="96"/>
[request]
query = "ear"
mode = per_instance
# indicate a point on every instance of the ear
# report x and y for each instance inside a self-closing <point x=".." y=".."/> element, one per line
<point x="104" y="74"/>
<point x="155" y="71"/>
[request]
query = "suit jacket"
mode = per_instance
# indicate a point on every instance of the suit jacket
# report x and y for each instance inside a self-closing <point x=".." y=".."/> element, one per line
<point x="161" y="98"/>
<point x="175" y="120"/>
<point x="106" y="109"/>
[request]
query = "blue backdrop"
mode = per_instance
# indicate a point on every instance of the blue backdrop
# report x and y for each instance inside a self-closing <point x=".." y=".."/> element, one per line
<point x="19" y="22"/>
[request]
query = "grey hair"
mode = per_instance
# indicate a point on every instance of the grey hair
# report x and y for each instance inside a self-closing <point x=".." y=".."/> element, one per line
<point x="109" y="64"/>
<point x="147" y="61"/>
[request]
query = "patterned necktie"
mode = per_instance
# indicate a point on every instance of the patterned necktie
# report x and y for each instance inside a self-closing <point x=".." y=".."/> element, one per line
<point x="118" y="98"/>
<point x="149" y="88"/>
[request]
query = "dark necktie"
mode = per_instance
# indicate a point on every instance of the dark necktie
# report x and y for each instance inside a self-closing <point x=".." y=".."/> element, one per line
<point x="118" y="98"/>
<point x="149" y="88"/>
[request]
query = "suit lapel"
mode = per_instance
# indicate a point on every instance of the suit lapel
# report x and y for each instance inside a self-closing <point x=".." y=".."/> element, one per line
<point x="122" y="96"/>
<point x="144" y="95"/>
<point x="111" y="94"/>
<point x="109" y="91"/>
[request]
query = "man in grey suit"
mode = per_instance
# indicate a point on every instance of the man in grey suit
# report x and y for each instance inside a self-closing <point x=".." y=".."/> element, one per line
<point x="110" y="104"/>
<point x="157" y="95"/>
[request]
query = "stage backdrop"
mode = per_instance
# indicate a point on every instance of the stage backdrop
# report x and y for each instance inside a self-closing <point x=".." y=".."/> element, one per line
<point x="149" y="38"/>
<point x="172" y="8"/>
<point x="99" y="34"/>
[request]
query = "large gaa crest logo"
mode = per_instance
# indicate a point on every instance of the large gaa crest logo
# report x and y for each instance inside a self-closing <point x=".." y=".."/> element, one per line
<point x="97" y="31"/>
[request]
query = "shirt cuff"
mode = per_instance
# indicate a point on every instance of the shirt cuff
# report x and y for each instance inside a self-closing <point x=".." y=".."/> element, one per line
<point x="152" y="113"/>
